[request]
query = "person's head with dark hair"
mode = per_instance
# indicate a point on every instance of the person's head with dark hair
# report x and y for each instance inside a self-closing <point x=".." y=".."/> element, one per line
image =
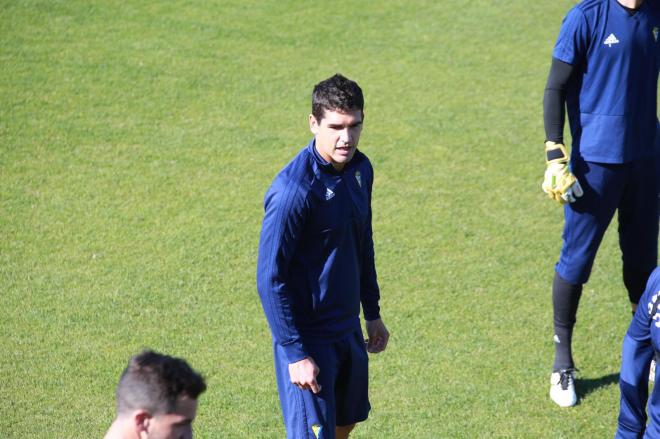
<point x="156" y="398"/>
<point x="336" y="93"/>
<point x="336" y="119"/>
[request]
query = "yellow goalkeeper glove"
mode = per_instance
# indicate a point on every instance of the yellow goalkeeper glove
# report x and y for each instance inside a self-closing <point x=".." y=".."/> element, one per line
<point x="558" y="182"/>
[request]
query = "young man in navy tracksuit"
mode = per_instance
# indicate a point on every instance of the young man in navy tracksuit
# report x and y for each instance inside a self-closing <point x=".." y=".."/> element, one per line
<point x="605" y="73"/>
<point x="316" y="267"/>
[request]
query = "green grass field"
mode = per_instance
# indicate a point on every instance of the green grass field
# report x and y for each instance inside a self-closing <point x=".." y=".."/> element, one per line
<point x="137" y="141"/>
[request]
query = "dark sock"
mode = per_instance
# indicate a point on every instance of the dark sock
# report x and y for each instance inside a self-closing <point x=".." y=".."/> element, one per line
<point x="635" y="282"/>
<point x="565" y="300"/>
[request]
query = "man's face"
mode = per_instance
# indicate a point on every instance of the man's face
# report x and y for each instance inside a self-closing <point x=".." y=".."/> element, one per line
<point x="175" y="425"/>
<point x="337" y="135"/>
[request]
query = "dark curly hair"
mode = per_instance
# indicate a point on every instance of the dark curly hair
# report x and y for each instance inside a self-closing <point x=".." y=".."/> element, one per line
<point x="153" y="382"/>
<point x="336" y="93"/>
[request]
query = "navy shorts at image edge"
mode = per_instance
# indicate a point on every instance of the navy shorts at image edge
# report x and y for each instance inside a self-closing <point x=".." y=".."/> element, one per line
<point x="632" y="188"/>
<point x="343" y="399"/>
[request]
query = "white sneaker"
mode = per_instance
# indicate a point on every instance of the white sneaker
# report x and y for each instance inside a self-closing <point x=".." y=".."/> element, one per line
<point x="562" y="388"/>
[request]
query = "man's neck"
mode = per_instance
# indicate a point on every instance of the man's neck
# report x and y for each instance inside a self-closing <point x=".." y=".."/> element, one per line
<point x="631" y="4"/>
<point x="118" y="430"/>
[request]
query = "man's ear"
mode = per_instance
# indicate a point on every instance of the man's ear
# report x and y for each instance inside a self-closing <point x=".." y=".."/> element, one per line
<point x="313" y="124"/>
<point x="142" y="421"/>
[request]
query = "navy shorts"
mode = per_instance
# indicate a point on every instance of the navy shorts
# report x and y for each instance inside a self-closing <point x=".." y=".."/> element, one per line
<point x="632" y="189"/>
<point x="343" y="399"/>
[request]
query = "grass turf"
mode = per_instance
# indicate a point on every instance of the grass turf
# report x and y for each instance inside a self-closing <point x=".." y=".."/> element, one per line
<point x="138" y="140"/>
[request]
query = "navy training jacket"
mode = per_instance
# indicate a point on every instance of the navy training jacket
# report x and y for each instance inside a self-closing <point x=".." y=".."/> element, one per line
<point x="316" y="252"/>
<point x="640" y="345"/>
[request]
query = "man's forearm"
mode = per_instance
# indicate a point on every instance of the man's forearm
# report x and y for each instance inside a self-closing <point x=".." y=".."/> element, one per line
<point x="554" y="100"/>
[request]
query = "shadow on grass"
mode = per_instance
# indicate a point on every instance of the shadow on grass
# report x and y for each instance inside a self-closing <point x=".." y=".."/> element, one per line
<point x="584" y="387"/>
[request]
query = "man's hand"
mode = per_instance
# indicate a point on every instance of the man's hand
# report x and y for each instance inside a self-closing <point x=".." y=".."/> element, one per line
<point x="378" y="336"/>
<point x="558" y="182"/>
<point x="303" y="374"/>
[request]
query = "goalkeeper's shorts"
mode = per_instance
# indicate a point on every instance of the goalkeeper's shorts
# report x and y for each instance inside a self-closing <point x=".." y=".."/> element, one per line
<point x="632" y="188"/>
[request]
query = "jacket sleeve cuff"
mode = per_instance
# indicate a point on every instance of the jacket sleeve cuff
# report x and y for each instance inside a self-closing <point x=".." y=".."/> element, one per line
<point x="294" y="351"/>
<point x="371" y="311"/>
